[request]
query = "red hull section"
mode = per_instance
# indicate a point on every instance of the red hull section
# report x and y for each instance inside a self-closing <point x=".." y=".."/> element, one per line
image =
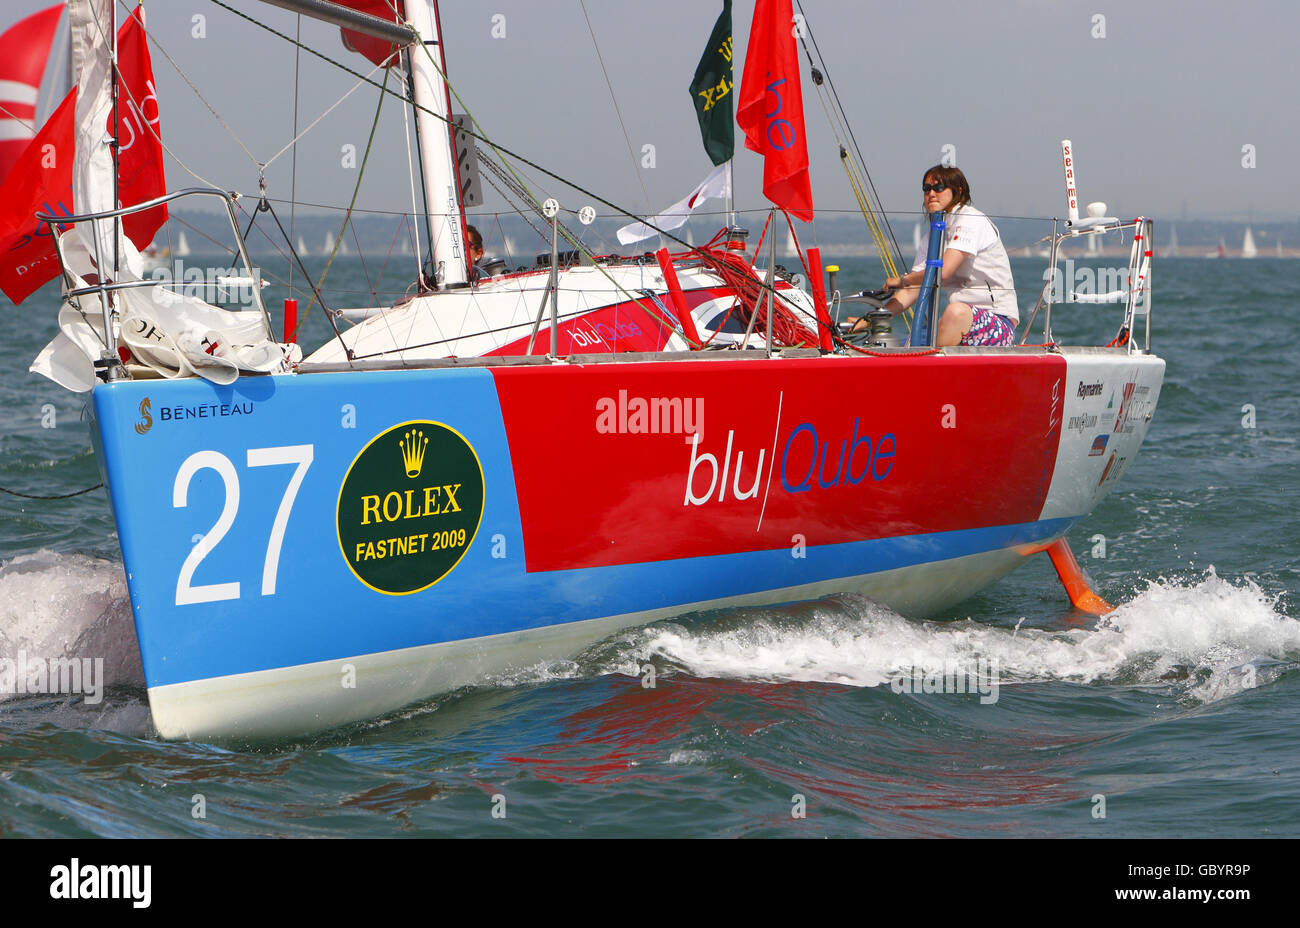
<point x="692" y="459"/>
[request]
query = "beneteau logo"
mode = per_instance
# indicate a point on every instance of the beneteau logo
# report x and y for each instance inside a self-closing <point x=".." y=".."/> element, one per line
<point x="146" y="420"/>
<point x="104" y="881"/>
<point x="398" y="538"/>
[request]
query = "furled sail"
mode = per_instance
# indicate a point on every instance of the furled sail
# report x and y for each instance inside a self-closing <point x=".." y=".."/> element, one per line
<point x="377" y="50"/>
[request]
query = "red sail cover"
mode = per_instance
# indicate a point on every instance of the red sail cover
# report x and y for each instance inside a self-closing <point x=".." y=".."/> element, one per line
<point x="41" y="180"/>
<point x="770" y="108"/>
<point x="377" y="50"/>
<point x="24" y="50"/>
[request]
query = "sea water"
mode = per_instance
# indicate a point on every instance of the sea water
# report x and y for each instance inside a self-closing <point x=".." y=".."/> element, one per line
<point x="1008" y="715"/>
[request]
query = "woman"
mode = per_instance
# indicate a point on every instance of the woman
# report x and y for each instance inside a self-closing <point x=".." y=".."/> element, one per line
<point x="976" y="272"/>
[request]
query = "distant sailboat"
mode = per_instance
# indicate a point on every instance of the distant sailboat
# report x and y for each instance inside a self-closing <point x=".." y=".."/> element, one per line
<point x="182" y="245"/>
<point x="1248" y="249"/>
<point x="302" y="248"/>
<point x="1220" y="252"/>
<point x="690" y="237"/>
<point x="916" y="237"/>
<point x="791" y="249"/>
<point x="1279" y="248"/>
<point x="1172" y="250"/>
<point x="1094" y="245"/>
<point x="329" y="244"/>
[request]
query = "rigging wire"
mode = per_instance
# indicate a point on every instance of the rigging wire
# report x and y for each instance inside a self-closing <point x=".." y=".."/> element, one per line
<point x="853" y="139"/>
<point x="347" y="219"/>
<point x="293" y="170"/>
<point x="623" y="125"/>
<point x="56" y="496"/>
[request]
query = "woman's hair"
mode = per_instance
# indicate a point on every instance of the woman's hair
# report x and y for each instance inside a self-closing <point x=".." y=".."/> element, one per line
<point x="955" y="180"/>
<point x="475" y="240"/>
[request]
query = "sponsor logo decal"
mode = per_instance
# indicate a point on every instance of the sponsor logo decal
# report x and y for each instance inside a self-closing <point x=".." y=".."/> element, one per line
<point x="1106" y="471"/>
<point x="146" y="420"/>
<point x="1081" y="423"/>
<point x="1089" y="389"/>
<point x="1125" y="408"/>
<point x="410" y="506"/>
<point x="1098" y="446"/>
<point x="204" y="411"/>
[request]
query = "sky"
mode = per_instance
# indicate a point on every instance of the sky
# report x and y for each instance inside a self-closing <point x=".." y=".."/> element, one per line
<point x="1177" y="108"/>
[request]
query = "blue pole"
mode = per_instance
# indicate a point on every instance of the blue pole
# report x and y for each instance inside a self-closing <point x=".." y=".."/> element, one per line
<point x="926" y="319"/>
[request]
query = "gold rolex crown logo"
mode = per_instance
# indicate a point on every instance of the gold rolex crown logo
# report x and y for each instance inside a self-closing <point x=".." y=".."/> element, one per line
<point x="413" y="445"/>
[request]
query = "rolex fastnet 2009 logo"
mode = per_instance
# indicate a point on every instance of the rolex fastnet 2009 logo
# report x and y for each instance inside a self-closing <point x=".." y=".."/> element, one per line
<point x="410" y="506"/>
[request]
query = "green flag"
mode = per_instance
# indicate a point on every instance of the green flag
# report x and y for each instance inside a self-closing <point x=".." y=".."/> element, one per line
<point x="711" y="91"/>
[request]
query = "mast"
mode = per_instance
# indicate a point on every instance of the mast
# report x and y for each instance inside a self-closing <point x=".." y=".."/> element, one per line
<point x="444" y="210"/>
<point x="442" y="201"/>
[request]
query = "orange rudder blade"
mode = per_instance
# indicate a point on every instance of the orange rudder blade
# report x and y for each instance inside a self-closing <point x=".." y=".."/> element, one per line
<point x="1071" y="574"/>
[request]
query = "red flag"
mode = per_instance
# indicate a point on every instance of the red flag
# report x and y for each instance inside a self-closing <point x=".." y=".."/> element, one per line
<point x="770" y="108"/>
<point x="41" y="180"/>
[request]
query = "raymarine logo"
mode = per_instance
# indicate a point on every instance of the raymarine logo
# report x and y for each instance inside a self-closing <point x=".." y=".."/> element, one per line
<point x="105" y="881"/>
<point x="1090" y="389"/>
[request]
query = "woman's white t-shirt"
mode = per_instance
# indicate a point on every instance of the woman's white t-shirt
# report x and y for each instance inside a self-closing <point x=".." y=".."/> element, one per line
<point x="985" y="277"/>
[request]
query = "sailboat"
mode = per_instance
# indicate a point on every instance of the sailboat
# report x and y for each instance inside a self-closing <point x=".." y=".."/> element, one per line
<point x="1248" y="249"/>
<point x="1172" y="250"/>
<point x="502" y="471"/>
<point x="302" y="250"/>
<point x="182" y="245"/>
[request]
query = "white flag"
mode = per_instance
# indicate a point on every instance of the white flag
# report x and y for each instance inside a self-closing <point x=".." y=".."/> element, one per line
<point x="715" y="187"/>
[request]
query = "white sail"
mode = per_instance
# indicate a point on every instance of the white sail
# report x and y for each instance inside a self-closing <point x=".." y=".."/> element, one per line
<point x="182" y="245"/>
<point x="302" y="248"/>
<point x="329" y="244"/>
<point x="1248" y="249"/>
<point x="916" y="237"/>
<point x="92" y="23"/>
<point x="1172" y="250"/>
<point x="791" y="248"/>
<point x="1093" y="245"/>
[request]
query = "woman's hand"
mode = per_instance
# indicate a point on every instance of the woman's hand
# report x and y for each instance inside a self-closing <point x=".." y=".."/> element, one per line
<point x="893" y="283"/>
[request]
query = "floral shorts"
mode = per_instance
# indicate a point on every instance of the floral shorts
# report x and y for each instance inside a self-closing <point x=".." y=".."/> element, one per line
<point x="989" y="329"/>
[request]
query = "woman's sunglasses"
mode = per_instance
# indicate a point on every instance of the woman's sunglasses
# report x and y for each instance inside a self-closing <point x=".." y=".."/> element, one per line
<point x="933" y="188"/>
